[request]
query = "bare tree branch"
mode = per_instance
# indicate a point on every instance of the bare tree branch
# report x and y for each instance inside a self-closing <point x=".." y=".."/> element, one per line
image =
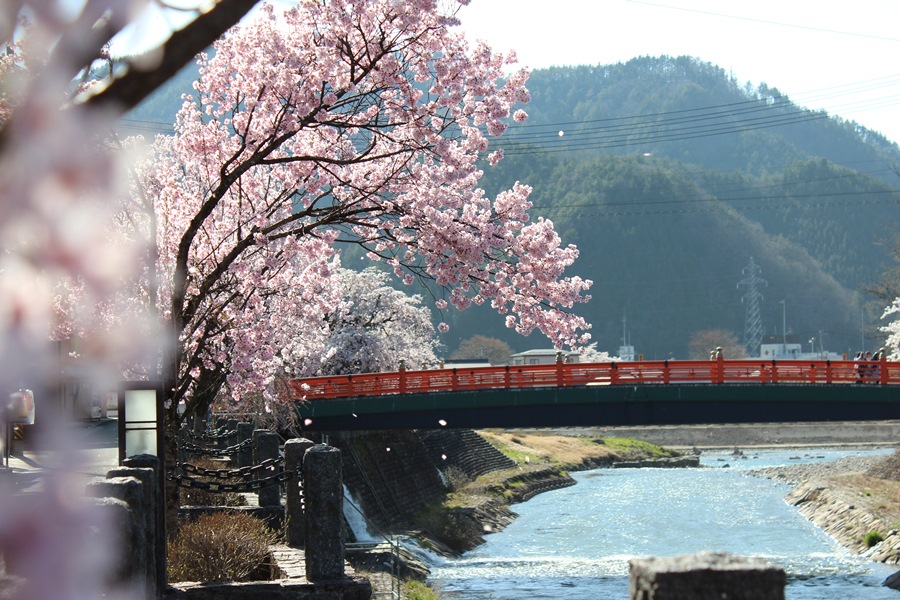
<point x="129" y="90"/>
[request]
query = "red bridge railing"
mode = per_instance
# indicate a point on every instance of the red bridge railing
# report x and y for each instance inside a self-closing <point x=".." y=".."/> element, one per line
<point x="720" y="371"/>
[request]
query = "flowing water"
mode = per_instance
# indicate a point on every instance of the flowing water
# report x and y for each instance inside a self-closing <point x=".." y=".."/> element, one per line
<point x="575" y="543"/>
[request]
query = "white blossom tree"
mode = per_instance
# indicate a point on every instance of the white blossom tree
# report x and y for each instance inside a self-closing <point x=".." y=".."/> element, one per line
<point x="377" y="328"/>
<point x="892" y="329"/>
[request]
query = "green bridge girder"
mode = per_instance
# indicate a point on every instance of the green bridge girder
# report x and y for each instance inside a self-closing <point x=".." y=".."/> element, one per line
<point x="606" y="406"/>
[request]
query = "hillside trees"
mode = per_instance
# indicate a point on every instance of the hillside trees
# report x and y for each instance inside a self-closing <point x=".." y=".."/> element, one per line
<point x="703" y="343"/>
<point x="481" y="346"/>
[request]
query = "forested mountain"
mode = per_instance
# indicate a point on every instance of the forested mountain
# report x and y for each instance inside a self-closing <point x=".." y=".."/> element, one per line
<point x="689" y="111"/>
<point x="669" y="176"/>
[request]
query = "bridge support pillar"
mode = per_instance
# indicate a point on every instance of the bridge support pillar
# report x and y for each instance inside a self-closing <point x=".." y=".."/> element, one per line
<point x="705" y="576"/>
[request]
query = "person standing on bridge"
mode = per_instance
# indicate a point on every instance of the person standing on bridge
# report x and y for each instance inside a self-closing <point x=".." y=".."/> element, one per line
<point x="875" y="369"/>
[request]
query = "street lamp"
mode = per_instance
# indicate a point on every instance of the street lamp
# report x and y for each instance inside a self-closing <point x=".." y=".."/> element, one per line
<point x="783" y="327"/>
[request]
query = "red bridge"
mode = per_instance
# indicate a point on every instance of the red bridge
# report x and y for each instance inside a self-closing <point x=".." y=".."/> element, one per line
<point x="611" y="393"/>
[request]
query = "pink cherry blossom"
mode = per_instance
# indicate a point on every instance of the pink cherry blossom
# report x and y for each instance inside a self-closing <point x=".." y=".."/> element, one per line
<point x="270" y="167"/>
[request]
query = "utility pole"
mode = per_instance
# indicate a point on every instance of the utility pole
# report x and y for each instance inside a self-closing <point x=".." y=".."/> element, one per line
<point x="753" y="329"/>
<point x="783" y="327"/>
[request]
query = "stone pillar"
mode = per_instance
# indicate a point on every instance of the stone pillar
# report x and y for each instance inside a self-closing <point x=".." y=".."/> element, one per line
<point x="294" y="517"/>
<point x="231" y="440"/>
<point x="147" y="477"/>
<point x="221" y="425"/>
<point x="120" y="525"/>
<point x="705" y="576"/>
<point x="157" y="508"/>
<point x="129" y="490"/>
<point x="265" y="446"/>
<point x="323" y="490"/>
<point x="244" y="458"/>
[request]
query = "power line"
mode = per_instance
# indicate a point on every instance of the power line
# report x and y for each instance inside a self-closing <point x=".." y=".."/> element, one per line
<point x="690" y="123"/>
<point x="678" y="134"/>
<point x="641" y="131"/>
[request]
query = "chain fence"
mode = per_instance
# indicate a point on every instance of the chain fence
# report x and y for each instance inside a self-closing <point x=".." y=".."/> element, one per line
<point x="191" y="476"/>
<point x="252" y="485"/>
<point x="212" y="436"/>
<point x="242" y="472"/>
<point x="191" y="448"/>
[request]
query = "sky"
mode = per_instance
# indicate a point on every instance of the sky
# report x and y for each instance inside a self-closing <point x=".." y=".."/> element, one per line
<point x="824" y="54"/>
<point x="834" y="55"/>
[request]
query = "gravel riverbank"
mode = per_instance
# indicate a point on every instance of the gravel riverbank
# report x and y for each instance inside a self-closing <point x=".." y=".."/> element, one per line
<point x="855" y="500"/>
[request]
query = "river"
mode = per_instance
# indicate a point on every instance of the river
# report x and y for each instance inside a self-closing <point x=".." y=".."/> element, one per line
<point x="575" y="543"/>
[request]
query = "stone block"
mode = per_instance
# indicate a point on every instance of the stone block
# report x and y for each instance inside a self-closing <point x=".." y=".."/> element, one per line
<point x="705" y="576"/>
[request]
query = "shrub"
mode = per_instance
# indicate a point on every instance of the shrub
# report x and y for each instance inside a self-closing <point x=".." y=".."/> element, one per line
<point x="629" y="448"/>
<point x="456" y="478"/>
<point x="221" y="546"/>
<point x="873" y="538"/>
<point x="416" y="590"/>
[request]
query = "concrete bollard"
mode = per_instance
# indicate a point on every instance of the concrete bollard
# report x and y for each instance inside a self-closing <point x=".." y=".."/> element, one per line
<point x="120" y="524"/>
<point x="156" y="507"/>
<point x="244" y="457"/>
<point x="184" y="438"/>
<point x="221" y="426"/>
<point x="231" y="440"/>
<point x="147" y="477"/>
<point x="265" y="446"/>
<point x="705" y="576"/>
<point x="323" y="490"/>
<point x="129" y="490"/>
<point x="294" y="517"/>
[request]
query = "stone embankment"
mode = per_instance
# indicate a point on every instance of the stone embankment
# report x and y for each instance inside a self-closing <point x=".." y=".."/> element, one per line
<point x="677" y="462"/>
<point x="837" y="497"/>
<point x="760" y="435"/>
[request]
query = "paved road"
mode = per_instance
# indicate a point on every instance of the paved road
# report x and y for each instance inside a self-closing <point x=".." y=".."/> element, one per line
<point x="88" y="448"/>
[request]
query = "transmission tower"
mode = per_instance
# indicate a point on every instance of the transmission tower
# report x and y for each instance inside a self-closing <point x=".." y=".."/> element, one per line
<point x="753" y="329"/>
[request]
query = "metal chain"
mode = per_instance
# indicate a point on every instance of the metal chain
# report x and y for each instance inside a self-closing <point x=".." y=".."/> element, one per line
<point x="253" y="485"/>
<point x="242" y="472"/>
<point x="214" y="435"/>
<point x="195" y="449"/>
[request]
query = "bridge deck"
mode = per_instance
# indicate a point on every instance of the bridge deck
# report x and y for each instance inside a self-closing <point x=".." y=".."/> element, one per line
<point x="643" y="393"/>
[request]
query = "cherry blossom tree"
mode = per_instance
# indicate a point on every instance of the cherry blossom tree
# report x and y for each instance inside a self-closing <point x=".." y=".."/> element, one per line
<point x="376" y="328"/>
<point x="60" y="259"/>
<point x="338" y="122"/>
<point x="892" y="329"/>
<point x="334" y="123"/>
